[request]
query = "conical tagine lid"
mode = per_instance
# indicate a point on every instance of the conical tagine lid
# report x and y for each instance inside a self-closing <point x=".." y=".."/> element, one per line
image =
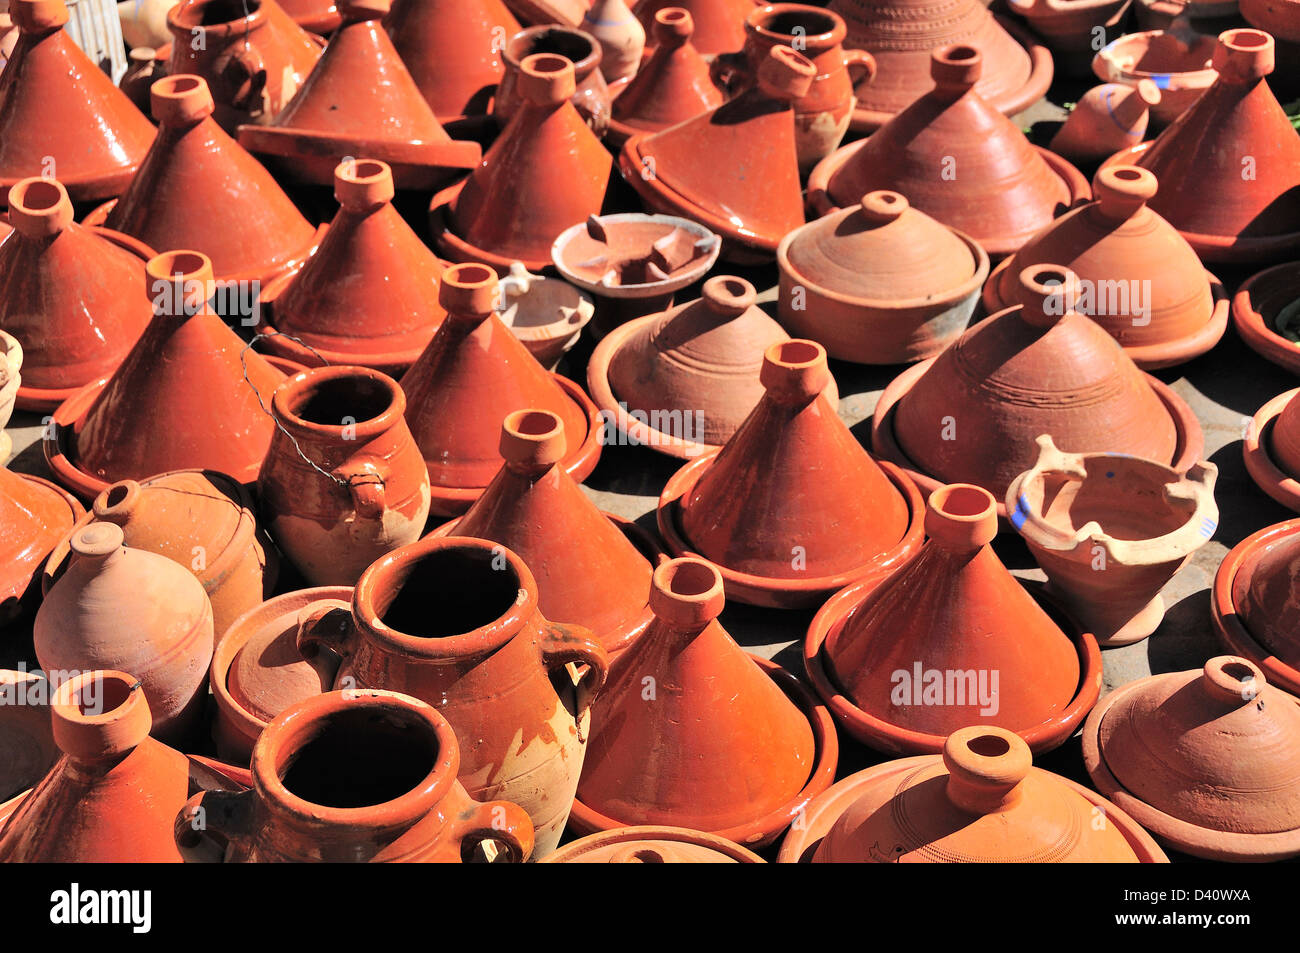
<point x="34" y="515"/>
<point x="719" y="24"/>
<point x="673" y="85"/>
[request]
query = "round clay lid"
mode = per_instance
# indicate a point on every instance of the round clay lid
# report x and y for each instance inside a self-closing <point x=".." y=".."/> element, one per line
<point x="1266" y="594"/>
<point x="652" y="845"/>
<point x="269" y="673"/>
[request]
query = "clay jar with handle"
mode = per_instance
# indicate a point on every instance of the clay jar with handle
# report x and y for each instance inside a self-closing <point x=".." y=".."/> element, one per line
<point x="455" y="622"/>
<point x="360" y="776"/>
<point x="590" y="95"/>
<point x="343" y="482"/>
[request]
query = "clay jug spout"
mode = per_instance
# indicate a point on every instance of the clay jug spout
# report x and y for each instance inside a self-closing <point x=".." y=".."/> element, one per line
<point x="1231" y="681"/>
<point x="363" y="185"/>
<point x="1122" y="190"/>
<point x="100" y="716"/>
<point x="117" y="503"/>
<point x="180" y="101"/>
<point x="956" y="69"/>
<point x="39" y="208"/>
<point x="1047" y="294"/>
<point x="686" y="594"/>
<point x="794" y="372"/>
<point x="1244" y="57"/>
<point x="532" y="441"/>
<point x="985" y="767"/>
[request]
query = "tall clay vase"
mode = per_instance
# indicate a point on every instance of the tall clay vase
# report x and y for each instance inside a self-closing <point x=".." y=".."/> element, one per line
<point x="621" y="37"/>
<point x="113" y="794"/>
<point x="343" y="482"/>
<point x="352" y="776"/>
<point x="1110" y="530"/>
<point x="1106" y="119"/>
<point x="454" y="622"/>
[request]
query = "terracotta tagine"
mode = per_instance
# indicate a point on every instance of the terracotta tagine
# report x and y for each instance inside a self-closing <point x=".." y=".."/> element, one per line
<point x="1207" y="760"/>
<point x="455" y="622"/>
<point x="621" y="37"/>
<point x="1140" y="280"/>
<point x="546" y="314"/>
<point x="190" y="394"/>
<point x="1110" y="530"/>
<point x="343" y="482"/>
<point x="719" y="24"/>
<point x="714" y="714"/>
<point x="746" y="506"/>
<point x="473" y="373"/>
<point x="980" y="801"/>
<point x="331" y="118"/>
<point x="352" y="776"/>
<point x="1280" y="18"/>
<point x="681" y="382"/>
<point x="72" y="295"/>
<point x="545" y="172"/>
<point x="145" y="67"/>
<point x="251" y="53"/>
<point x="34" y="514"/>
<point x="136" y="609"/>
<point x="1038" y="368"/>
<point x="60" y="116"/>
<point x="652" y="845"/>
<point x="27" y="748"/>
<point x="956" y="159"/>
<point x="1178" y="61"/>
<point x="1265" y="311"/>
<point x="590" y="95"/>
<point x="879" y="282"/>
<point x="592" y="569"/>
<point x="368" y="295"/>
<point x="11" y="378"/>
<point x="1071" y="27"/>
<point x="1271" y="449"/>
<point x="1106" y="118"/>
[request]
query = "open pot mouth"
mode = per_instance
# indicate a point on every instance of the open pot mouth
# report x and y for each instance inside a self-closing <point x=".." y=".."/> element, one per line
<point x="800" y="24"/>
<point x="349" y="401"/>
<point x="215" y="14"/>
<point x="577" y="47"/>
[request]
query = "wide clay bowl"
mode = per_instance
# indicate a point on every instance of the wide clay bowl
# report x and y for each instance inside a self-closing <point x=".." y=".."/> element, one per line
<point x="1266" y="299"/>
<point x="1257" y="452"/>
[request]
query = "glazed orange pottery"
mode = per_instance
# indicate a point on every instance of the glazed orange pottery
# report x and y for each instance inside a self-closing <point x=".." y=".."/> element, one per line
<point x="590" y="96"/>
<point x="652" y="845"/>
<point x="27" y="748"/>
<point x="719" y="24"/>
<point x="112" y="795"/>
<point x="1106" y="118"/>
<point x="747" y="507"/>
<point x="60" y="116"/>
<point x="957" y="159"/>
<point x="315" y="16"/>
<point x="591" y="568"/>
<point x="352" y="776"/>
<point x="473" y="373"/>
<point x="34" y="514"/>
<point x="692" y="731"/>
<point x="1254" y="608"/>
<point x="980" y="801"/>
<point x="1264" y="313"/>
<point x="1207" y="760"/>
<point x="454" y="622"/>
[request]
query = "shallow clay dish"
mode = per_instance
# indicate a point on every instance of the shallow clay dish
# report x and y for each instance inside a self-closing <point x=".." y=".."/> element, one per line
<point x="1266" y="298"/>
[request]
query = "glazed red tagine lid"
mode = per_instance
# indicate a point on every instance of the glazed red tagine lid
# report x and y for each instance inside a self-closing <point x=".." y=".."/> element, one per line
<point x="1266" y="313"/>
<point x="189" y="395"/>
<point x="747" y="506"/>
<point x="1271" y="449"/>
<point x="591" y="568"/>
<point x="1041" y="367"/>
<point x="1207" y="760"/>
<point x="980" y="801"/>
<point x="546" y="171"/>
<point x="957" y="159"/>
<point x="718" y="715"/>
<point x="947" y="640"/>
<point x="369" y="294"/>
<point x="1147" y="287"/>
<point x="72" y="295"/>
<point x="652" y="845"/>
<point x="332" y="116"/>
<point x="34" y="515"/>
<point x="754" y="197"/>
<point x="61" y="115"/>
<point x="1229" y="167"/>
<point x="719" y="24"/>
<point x="473" y="373"/>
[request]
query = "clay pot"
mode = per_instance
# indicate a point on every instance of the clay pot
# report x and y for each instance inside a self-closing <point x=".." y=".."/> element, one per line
<point x="1069" y="27"/>
<point x="1039" y="368"/>
<point x="11" y="378"/>
<point x="34" y="513"/>
<point x="683" y="381"/>
<point x="352" y="776"/>
<point x="620" y="35"/>
<point x="547" y="314"/>
<point x="112" y="795"/>
<point x="1279" y="18"/>
<point x="902" y="34"/>
<point x="331" y="117"/>
<point x="320" y="17"/>
<point x="980" y="801"/>
<point x="1271" y="449"/>
<point x="719" y="24"/>
<point x="715" y="716"/>
<point x="145" y="67"/>
<point x="879" y="282"/>
<point x="1140" y="280"/>
<point x="455" y="622"/>
<point x="589" y="96"/>
<point x="1178" y="62"/>
<point x="60" y="115"/>
<point x="652" y="845"/>
<point x="1110" y="531"/>
<point x="251" y="54"/>
<point x="1106" y="118"/>
<point x="144" y="22"/>
<point x="73" y="295"/>
<point x="1264" y="313"/>
<point x="368" y="295"/>
<point x="592" y="569"/>
<point x="343" y="482"/>
<point x="904" y="661"/>
<point x="27" y="748"/>
<point x="1254" y="610"/>
<point x="754" y="198"/>
<point x="1009" y="189"/>
<point x="544" y="172"/>
<point x="1207" y="760"/>
<point x="452" y="49"/>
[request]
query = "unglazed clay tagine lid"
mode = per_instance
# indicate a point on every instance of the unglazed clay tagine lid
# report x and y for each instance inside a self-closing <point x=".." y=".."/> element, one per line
<point x="1266" y="313"/>
<point x="981" y="801"/>
<point x="1207" y="760"/>
<point x="652" y="845"/>
<point x="1271" y="449"/>
<point x="634" y="255"/>
<point x="1254" y="604"/>
<point x="34" y="516"/>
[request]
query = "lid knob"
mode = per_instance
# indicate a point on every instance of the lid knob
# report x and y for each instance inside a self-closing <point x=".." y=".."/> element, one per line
<point x="673" y="26"/>
<point x="985" y="767"/>
<point x="728" y="295"/>
<point x="687" y="593"/>
<point x="38" y="16"/>
<point x="1123" y="189"/>
<point x="961" y="517"/>
<point x="100" y="714"/>
<point x="883" y="206"/>
<point x="117" y="502"/>
<point x="179" y="283"/>
<point x="468" y="291"/>
<point x="180" y="100"/>
<point x="39" y="208"/>
<point x="1047" y="293"/>
<point x="363" y="184"/>
<point x="532" y="440"/>
<point x="1244" y="56"/>
<point x="956" y="68"/>
<point x="546" y="79"/>
<point x="795" y="371"/>
<point x="1232" y="680"/>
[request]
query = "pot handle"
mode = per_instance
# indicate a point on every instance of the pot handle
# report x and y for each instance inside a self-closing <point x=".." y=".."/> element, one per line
<point x="326" y="624"/>
<point x="211" y="821"/>
<point x="562" y="644"/>
<point x="366" y="482"/>
<point x="860" y="60"/>
<point x="501" y="821"/>
<point x="243" y="74"/>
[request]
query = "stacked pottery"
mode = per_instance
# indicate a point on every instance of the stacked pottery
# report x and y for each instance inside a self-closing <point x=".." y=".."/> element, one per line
<point x="589" y="95"/>
<point x="1264" y="312"/>
<point x="546" y="314"/>
<point x="1178" y="61"/>
<point x="1106" y="118"/>
<point x="1254" y="605"/>
<point x="621" y="37"/>
<point x="34" y="514"/>
<point x="1271" y="449"/>
<point x="719" y="24"/>
<point x="652" y="845"/>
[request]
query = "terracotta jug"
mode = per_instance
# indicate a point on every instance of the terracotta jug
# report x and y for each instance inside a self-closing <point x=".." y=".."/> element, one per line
<point x="746" y="507"/>
<point x="777" y="753"/>
<point x="1178" y="60"/>
<point x="343" y="482"/>
<point x="34" y="514"/>
<point x="72" y="295"/>
<point x="652" y="845"/>
<point x="1106" y="118"/>
<point x="27" y="748"/>
<point x="1253" y="605"/>
<point x="620" y="35"/>
<point x="719" y="24"/>
<point x="1264" y="313"/>
<point x="60" y="116"/>
<point x="352" y="776"/>
<point x="455" y="623"/>
<point x="590" y="95"/>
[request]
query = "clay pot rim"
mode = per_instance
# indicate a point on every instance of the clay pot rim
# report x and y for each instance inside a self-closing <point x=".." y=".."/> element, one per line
<point x="788" y="593"/>
<point x="77" y="512"/>
<point x="1228" y="623"/>
<point x="645" y="289"/>
<point x="301" y="385"/>
<point x="1257" y="454"/>
<point x="1106" y="67"/>
<point x="881" y="735"/>
<point x="1250" y="323"/>
<point x="1183" y="835"/>
<point x="280" y="344"/>
<point x="585" y="66"/>
<point x="828" y="38"/>
<point x="823" y="811"/>
<point x="574" y="852"/>
<point x="1188" y="449"/>
<point x="459" y="251"/>
<point x="236" y="27"/>
<point x="556" y="330"/>
<point x="764" y="830"/>
<point x="91" y="186"/>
